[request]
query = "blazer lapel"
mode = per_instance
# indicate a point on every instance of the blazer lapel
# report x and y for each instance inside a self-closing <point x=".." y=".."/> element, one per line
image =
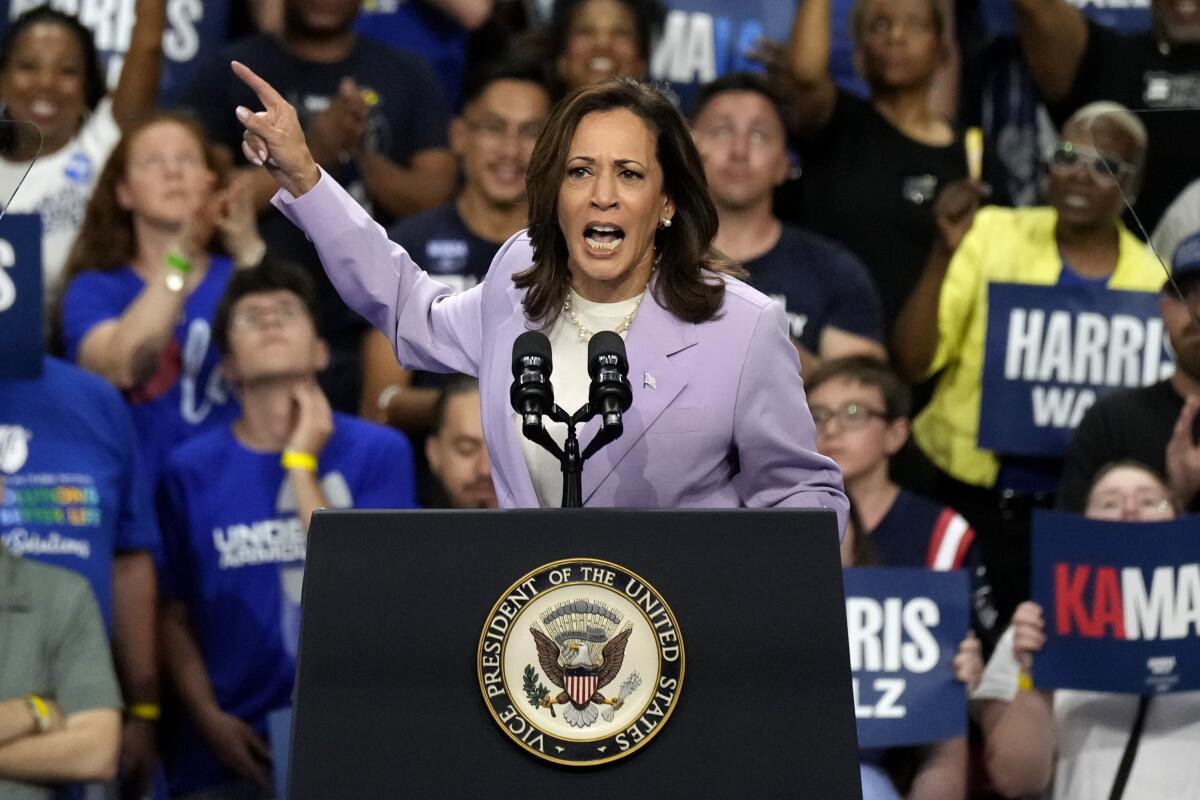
<point x="508" y="459"/>
<point x="656" y="334"/>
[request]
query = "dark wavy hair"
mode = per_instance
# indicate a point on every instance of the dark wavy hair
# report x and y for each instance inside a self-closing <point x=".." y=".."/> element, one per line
<point x="93" y="76"/>
<point x="271" y="275"/>
<point x="688" y="283"/>
<point x="649" y="16"/>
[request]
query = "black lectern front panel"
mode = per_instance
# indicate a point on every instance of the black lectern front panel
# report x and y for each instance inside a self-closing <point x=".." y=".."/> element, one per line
<point x="389" y="702"/>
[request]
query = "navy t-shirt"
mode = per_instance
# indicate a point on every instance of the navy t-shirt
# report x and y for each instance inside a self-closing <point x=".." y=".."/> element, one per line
<point x="442" y="245"/>
<point x="234" y="552"/>
<point x="408" y="115"/>
<point x="820" y="284"/>
<point x="188" y="392"/>
<point x="71" y="481"/>
<point x="418" y="27"/>
<point x="916" y="532"/>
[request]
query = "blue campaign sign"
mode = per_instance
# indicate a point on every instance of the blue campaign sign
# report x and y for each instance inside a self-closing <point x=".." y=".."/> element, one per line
<point x="1121" y="602"/>
<point x="904" y="626"/>
<point x="21" y="295"/>
<point x="1051" y="351"/>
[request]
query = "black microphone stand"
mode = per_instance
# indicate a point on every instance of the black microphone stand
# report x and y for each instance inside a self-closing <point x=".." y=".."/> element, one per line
<point x="568" y="455"/>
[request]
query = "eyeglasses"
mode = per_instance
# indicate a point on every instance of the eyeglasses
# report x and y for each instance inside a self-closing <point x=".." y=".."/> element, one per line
<point x="723" y="133"/>
<point x="255" y="317"/>
<point x="161" y="163"/>
<point x="1143" y="505"/>
<point x="496" y="128"/>
<point x="1105" y="167"/>
<point x="850" y="417"/>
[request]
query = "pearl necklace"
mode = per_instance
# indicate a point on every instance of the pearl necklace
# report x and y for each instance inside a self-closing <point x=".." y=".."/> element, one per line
<point x="586" y="333"/>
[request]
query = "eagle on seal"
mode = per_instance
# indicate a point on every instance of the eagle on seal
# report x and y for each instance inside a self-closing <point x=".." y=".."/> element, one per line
<point x="581" y="668"/>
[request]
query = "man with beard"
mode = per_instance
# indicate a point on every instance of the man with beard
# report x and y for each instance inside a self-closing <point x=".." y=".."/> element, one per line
<point x="1075" y="61"/>
<point x="1156" y="425"/>
<point x="455" y="448"/>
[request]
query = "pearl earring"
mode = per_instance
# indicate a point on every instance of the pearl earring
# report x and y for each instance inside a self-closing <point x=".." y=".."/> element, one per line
<point x="665" y="222"/>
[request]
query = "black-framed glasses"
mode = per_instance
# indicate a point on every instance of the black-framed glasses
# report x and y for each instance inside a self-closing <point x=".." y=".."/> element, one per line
<point x="1105" y="167"/>
<point x="850" y="417"/>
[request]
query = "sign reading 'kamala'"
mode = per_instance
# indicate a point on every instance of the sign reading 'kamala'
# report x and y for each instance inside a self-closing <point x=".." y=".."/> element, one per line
<point x="581" y="662"/>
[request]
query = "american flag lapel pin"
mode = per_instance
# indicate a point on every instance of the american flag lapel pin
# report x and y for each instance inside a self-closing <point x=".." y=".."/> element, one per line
<point x="648" y="381"/>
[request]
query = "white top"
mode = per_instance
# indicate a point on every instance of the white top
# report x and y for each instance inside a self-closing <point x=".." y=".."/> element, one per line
<point x="571" y="383"/>
<point x="59" y="186"/>
<point x="1093" y="727"/>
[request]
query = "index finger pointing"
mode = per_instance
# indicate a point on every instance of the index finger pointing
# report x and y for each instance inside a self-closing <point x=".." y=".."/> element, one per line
<point x="267" y="95"/>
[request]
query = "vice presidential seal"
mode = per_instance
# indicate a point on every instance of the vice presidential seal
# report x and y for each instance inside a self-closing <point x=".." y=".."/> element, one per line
<point x="581" y="662"/>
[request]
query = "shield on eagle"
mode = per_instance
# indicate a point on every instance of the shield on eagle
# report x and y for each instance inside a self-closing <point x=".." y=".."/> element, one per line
<point x="580" y="685"/>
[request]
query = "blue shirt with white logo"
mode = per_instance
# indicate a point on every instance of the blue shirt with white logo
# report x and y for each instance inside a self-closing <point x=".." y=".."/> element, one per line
<point x="72" y="489"/>
<point x="187" y="392"/>
<point x="234" y="552"/>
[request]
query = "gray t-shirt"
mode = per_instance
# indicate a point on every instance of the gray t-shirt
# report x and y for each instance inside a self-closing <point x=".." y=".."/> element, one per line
<point x="54" y="646"/>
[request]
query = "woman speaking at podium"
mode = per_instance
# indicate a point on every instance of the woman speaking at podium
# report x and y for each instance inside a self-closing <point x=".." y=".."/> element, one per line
<point x="619" y="238"/>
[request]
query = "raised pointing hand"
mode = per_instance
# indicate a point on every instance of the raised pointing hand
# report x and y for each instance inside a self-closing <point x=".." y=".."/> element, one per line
<point x="274" y="138"/>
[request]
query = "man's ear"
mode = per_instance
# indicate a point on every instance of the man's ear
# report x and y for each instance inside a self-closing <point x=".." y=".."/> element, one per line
<point x="433" y="453"/>
<point x="458" y="136"/>
<point x="898" y="431"/>
<point x="321" y="356"/>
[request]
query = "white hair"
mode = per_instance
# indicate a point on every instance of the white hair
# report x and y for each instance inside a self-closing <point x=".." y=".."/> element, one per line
<point x="1117" y="115"/>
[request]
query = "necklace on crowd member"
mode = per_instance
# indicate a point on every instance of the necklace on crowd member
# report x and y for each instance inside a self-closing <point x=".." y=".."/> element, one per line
<point x="586" y="333"/>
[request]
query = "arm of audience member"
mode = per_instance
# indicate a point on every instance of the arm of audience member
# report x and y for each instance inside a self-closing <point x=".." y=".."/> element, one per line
<point x="471" y="14"/>
<point x="919" y="329"/>
<point x="1019" y="734"/>
<point x="837" y="343"/>
<point x="137" y="88"/>
<point x="814" y="95"/>
<point x="125" y="350"/>
<point x="234" y="743"/>
<point x="1183" y="455"/>
<point x="1053" y="36"/>
<point x="17" y="720"/>
<point x="135" y="600"/>
<point x="314" y="426"/>
<point x="388" y="394"/>
<point x="943" y="99"/>
<point x="942" y="774"/>
<point x="83" y="749"/>
<point x="401" y="191"/>
<point x="237" y="222"/>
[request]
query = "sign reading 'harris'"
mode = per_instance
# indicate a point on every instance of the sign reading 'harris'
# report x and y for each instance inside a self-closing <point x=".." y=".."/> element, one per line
<point x="581" y="662"/>
<point x="1052" y="351"/>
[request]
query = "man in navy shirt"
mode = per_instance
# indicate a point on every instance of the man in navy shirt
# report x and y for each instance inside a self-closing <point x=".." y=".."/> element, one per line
<point x="504" y="108"/>
<point x="234" y="506"/>
<point x="375" y="119"/>
<point x="861" y="410"/>
<point x="830" y="302"/>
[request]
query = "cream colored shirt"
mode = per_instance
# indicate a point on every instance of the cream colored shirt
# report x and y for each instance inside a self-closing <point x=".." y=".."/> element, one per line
<point x="571" y="383"/>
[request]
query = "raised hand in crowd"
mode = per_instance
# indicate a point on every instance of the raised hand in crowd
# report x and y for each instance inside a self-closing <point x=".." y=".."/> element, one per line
<point x="1029" y="633"/>
<point x="237" y="223"/>
<point x="954" y="211"/>
<point x="968" y="662"/>
<point x="775" y="59"/>
<point x="337" y="134"/>
<point x="1183" y="455"/>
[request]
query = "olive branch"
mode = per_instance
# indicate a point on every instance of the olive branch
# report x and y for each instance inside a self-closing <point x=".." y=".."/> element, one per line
<point x="535" y="690"/>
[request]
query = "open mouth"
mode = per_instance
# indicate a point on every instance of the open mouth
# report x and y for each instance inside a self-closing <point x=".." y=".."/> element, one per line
<point x="602" y="64"/>
<point x="603" y="239"/>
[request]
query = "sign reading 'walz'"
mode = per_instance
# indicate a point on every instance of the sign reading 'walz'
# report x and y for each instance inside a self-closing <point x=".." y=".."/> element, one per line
<point x="904" y="627"/>
<point x="581" y="662"/>
<point x="1051" y="351"/>
<point x="1121" y="602"/>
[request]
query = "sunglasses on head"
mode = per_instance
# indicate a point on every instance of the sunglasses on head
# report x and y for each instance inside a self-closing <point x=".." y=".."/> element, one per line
<point x="1105" y="167"/>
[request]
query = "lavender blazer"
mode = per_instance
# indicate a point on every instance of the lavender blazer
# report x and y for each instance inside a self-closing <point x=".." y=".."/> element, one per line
<point x="718" y="419"/>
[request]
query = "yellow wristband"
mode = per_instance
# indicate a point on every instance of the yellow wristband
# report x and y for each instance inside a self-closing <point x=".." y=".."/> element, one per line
<point x="1024" y="681"/>
<point x="295" y="459"/>
<point x="147" y="711"/>
<point x="40" y="711"/>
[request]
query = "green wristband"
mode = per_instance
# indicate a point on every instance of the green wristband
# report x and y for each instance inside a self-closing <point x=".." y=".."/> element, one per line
<point x="177" y="262"/>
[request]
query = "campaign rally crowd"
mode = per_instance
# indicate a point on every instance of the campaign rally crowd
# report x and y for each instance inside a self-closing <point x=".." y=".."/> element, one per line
<point x="981" y="218"/>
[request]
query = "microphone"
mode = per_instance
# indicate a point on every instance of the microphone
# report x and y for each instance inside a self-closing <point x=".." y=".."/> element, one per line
<point x="610" y="394"/>
<point x="531" y="394"/>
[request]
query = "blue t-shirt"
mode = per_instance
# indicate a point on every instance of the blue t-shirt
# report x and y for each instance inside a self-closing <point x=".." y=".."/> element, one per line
<point x="187" y="393"/>
<point x="234" y="552"/>
<point x="74" y="492"/>
<point x="820" y="284"/>
<point x="418" y="27"/>
<point x="916" y="532"/>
